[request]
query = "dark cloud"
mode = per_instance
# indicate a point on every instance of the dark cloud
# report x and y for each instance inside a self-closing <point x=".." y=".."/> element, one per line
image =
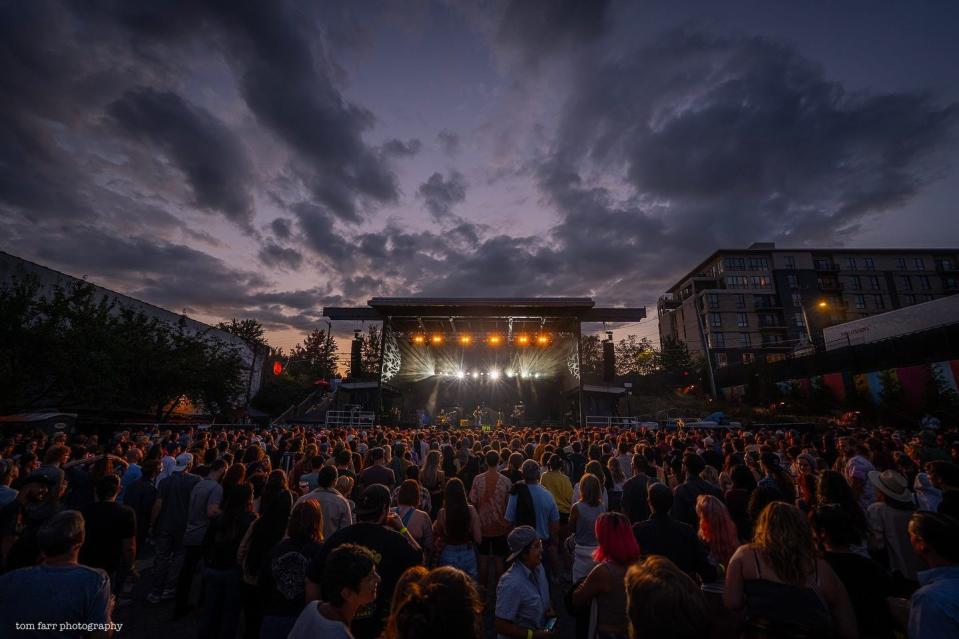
<point x="320" y="233"/>
<point x="441" y="195"/>
<point x="449" y="142"/>
<point x="398" y="148"/>
<point x="281" y="227"/>
<point x="277" y="256"/>
<point x="214" y="161"/>
<point x="537" y="29"/>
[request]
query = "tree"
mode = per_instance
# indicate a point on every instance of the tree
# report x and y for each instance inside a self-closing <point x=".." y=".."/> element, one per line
<point x="591" y="354"/>
<point x="636" y="355"/>
<point x="370" y="351"/>
<point x="674" y="357"/>
<point x="77" y="349"/>
<point x="315" y="357"/>
<point x="892" y="397"/>
<point x="249" y="329"/>
<point x="941" y="399"/>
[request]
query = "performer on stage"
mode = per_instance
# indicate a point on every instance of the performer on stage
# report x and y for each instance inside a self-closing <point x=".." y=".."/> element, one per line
<point x="478" y="415"/>
<point x="519" y="412"/>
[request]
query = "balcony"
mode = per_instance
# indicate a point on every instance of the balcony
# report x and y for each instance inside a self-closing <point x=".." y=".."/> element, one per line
<point x="827" y="268"/>
<point x="785" y="346"/>
<point x="767" y="306"/>
<point x="669" y="302"/>
<point x="829" y="284"/>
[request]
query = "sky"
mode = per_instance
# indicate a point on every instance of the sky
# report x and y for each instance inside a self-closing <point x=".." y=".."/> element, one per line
<point x="266" y="159"/>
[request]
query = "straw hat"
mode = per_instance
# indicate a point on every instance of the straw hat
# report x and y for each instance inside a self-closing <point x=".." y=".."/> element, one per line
<point x="891" y="484"/>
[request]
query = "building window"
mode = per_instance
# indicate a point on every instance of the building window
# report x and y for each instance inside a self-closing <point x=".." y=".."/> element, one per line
<point x="946" y="264"/>
<point x="909" y="300"/>
<point x="737" y="281"/>
<point x="748" y="358"/>
<point x="855" y="282"/>
<point x="900" y="264"/>
<point x="740" y="300"/>
<point x="734" y="264"/>
<point x="924" y="282"/>
<point x="904" y="282"/>
<point x="715" y="320"/>
<point x="950" y="283"/>
<point x="721" y="360"/>
<point x="869" y="263"/>
<point x="775" y="357"/>
<point x="918" y="264"/>
<point x="850" y="264"/>
<point x="797" y="299"/>
<point x="878" y="302"/>
<point x="712" y="299"/>
<point x="799" y="320"/>
<point x="745" y="340"/>
<point x="717" y="340"/>
<point x="758" y="264"/>
<point x="742" y="320"/>
<point x="760" y="281"/>
<point x="823" y="265"/>
<point x="874" y="282"/>
<point x="792" y="281"/>
<point x="860" y="301"/>
<point x="790" y="261"/>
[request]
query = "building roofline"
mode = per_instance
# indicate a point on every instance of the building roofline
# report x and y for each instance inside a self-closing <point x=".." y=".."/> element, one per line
<point x="838" y="249"/>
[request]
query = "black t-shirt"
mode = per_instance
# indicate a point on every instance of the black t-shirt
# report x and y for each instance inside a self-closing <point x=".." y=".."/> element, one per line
<point x="107" y="525"/>
<point x="22" y="522"/>
<point x="868" y="585"/>
<point x="140" y="496"/>
<point x="393" y="554"/>
<point x="223" y="539"/>
<point x="282" y="576"/>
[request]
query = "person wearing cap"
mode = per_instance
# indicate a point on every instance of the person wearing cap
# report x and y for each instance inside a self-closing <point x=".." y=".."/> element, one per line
<point x="21" y="519"/>
<point x="168" y="521"/>
<point x="889" y="525"/>
<point x="543" y="504"/>
<point x="522" y="594"/>
<point x="393" y="548"/>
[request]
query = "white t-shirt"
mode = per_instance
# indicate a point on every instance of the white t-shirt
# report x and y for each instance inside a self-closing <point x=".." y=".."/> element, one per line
<point x="311" y="624"/>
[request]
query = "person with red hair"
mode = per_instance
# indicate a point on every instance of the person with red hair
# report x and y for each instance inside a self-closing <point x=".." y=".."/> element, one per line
<point x="717" y="529"/>
<point x="616" y="550"/>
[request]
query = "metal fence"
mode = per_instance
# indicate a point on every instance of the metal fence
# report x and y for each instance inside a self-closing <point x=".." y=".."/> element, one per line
<point x="352" y="417"/>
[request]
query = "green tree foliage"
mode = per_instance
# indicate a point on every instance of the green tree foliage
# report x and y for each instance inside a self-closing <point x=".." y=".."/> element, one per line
<point x="370" y="351"/>
<point x="941" y="400"/>
<point x="636" y="355"/>
<point x="315" y="357"/>
<point x="674" y="357"/>
<point x="75" y="349"/>
<point x="249" y="329"/>
<point x="591" y="352"/>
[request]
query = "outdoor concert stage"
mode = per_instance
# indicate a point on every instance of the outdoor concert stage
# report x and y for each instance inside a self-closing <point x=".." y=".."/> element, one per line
<point x="481" y="360"/>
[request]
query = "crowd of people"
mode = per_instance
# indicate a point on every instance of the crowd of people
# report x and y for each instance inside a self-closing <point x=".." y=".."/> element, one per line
<point x="527" y="533"/>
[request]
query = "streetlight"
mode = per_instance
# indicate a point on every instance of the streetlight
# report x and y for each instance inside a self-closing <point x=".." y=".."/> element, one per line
<point x="822" y="305"/>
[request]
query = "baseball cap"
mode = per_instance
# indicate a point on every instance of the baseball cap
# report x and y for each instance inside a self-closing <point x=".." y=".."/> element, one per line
<point x="519" y="540"/>
<point x="374" y="499"/>
<point x="182" y="461"/>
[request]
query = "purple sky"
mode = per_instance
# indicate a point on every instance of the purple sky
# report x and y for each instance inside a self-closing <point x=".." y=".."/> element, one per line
<point x="264" y="159"/>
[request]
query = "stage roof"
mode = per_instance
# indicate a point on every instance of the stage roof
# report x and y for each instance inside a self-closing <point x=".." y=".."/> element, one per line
<point x="581" y="309"/>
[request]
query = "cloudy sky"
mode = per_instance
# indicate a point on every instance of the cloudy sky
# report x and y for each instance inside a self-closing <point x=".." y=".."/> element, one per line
<point x="264" y="159"/>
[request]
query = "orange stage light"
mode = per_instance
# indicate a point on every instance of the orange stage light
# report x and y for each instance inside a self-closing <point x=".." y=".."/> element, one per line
<point x="522" y="340"/>
<point x="542" y="340"/>
<point x="418" y="339"/>
<point x="437" y="339"/>
<point x="465" y="340"/>
<point x="494" y="340"/>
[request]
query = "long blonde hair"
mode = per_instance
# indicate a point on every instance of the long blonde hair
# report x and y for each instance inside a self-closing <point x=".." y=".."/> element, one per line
<point x="783" y="535"/>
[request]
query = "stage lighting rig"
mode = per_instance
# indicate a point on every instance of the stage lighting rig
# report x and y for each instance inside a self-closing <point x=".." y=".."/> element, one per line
<point x="522" y="340"/>
<point x="436" y="340"/>
<point x="419" y="340"/>
<point x="542" y="339"/>
<point x="460" y="374"/>
<point x="494" y="340"/>
<point x="494" y="374"/>
<point x="465" y="340"/>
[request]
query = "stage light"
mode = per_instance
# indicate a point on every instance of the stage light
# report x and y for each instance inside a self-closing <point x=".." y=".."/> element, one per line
<point x="522" y="340"/>
<point x="536" y="375"/>
<point x="419" y="340"/>
<point x="494" y="340"/>
<point x="510" y="373"/>
<point x="494" y="374"/>
<point x="475" y="374"/>
<point x="460" y="374"/>
<point x="437" y="340"/>
<point x="542" y="340"/>
<point x="465" y="340"/>
<point x="522" y="375"/>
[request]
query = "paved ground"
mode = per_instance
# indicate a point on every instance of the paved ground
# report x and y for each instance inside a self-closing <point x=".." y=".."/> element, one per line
<point x="142" y="620"/>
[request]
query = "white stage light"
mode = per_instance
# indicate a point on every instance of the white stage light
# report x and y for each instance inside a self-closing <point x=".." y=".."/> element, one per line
<point x="460" y="374"/>
<point x="475" y="374"/>
<point x="494" y="374"/>
<point x="510" y="373"/>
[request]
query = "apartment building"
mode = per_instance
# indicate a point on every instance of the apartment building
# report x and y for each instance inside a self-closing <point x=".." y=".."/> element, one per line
<point x="768" y="303"/>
